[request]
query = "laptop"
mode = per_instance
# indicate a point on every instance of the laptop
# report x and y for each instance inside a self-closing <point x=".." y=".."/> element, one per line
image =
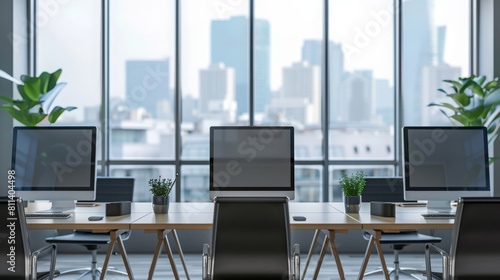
<point x="117" y="188"/>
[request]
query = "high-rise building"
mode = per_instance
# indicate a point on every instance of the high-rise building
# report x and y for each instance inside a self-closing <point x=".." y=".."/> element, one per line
<point x="217" y="93"/>
<point x="230" y="45"/>
<point x="301" y="82"/>
<point x="148" y="87"/>
<point x="359" y="90"/>
<point x="417" y="53"/>
<point x="312" y="53"/>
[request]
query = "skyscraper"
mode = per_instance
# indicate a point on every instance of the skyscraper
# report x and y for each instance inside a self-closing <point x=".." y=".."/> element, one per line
<point x="230" y="45"/>
<point x="217" y="93"/>
<point x="416" y="54"/>
<point x="148" y="87"/>
<point x="311" y="53"/>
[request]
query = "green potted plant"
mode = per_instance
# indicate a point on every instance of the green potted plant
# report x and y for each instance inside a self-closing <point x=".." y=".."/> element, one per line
<point x="352" y="187"/>
<point x="160" y="189"/>
<point x="37" y="95"/>
<point x="473" y="102"/>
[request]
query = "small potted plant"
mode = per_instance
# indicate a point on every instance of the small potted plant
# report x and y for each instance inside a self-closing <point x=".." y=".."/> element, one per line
<point x="352" y="187"/>
<point x="160" y="189"/>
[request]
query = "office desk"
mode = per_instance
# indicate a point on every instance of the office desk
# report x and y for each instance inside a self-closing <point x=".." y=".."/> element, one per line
<point x="200" y="216"/>
<point x="327" y="217"/>
<point x="79" y="221"/>
<point x="406" y="218"/>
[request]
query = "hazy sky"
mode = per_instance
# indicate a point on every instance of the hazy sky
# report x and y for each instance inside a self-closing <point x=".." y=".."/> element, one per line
<point x="69" y="37"/>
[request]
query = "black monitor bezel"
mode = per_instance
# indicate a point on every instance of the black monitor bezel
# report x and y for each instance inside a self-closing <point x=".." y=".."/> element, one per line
<point x="406" y="159"/>
<point x="90" y="187"/>
<point x="290" y="188"/>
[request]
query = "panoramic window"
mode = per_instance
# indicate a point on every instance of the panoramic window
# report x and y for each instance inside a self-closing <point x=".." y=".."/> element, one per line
<point x="243" y="63"/>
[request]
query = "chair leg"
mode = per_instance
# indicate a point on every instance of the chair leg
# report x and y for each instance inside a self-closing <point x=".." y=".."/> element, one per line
<point x="397" y="270"/>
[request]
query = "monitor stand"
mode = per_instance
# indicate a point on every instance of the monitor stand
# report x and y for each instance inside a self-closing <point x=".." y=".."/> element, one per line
<point x="439" y="206"/>
<point x="60" y="206"/>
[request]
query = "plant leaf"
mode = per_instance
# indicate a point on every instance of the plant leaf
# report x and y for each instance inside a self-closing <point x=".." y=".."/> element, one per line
<point x="32" y="87"/>
<point x="57" y="111"/>
<point x="445" y="105"/>
<point x="48" y="98"/>
<point x="4" y="75"/>
<point x="53" y="79"/>
<point x="44" y="82"/>
<point x="16" y="114"/>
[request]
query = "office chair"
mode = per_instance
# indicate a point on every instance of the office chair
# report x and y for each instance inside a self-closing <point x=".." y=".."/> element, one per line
<point x="251" y="240"/>
<point x="388" y="189"/>
<point x="18" y="262"/>
<point x="475" y="244"/>
<point x="108" y="189"/>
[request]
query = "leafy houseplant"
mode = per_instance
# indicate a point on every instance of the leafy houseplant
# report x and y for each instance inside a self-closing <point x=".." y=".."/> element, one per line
<point x="38" y="94"/>
<point x="474" y="102"/>
<point x="160" y="188"/>
<point x="352" y="187"/>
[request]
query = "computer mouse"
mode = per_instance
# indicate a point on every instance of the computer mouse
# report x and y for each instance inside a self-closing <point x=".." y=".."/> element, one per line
<point x="95" y="218"/>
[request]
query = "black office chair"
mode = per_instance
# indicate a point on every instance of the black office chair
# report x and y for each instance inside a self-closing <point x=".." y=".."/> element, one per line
<point x="108" y="189"/>
<point x="390" y="189"/>
<point x="475" y="243"/>
<point x="18" y="262"/>
<point x="251" y="240"/>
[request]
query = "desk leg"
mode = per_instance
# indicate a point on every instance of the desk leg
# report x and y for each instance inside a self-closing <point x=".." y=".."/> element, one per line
<point x="124" y="257"/>
<point x="311" y="250"/>
<point x="374" y="239"/>
<point x="162" y="239"/>
<point x="114" y="238"/>
<point x="331" y="234"/>
<point x="159" y="237"/>
<point x="170" y="256"/>
<point x="324" y="247"/>
<point x="181" y="254"/>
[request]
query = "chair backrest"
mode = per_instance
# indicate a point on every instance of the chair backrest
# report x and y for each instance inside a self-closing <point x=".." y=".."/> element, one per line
<point x="14" y="242"/>
<point x="251" y="239"/>
<point x="475" y="244"/>
<point x="109" y="189"/>
<point x="386" y="189"/>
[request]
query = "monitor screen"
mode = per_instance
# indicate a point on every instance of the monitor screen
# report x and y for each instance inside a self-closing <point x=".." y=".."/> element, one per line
<point x="445" y="163"/>
<point x="56" y="163"/>
<point x="252" y="161"/>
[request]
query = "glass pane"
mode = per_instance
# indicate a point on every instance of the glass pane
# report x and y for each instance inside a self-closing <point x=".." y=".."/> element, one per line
<point x="194" y="182"/>
<point x="436" y="46"/>
<point x="308" y="183"/>
<point x="69" y="38"/>
<point x="63" y="42"/>
<point x="288" y="71"/>
<point x="141" y="105"/>
<point x="142" y="174"/>
<point x="214" y="69"/>
<point x="335" y="172"/>
<point x="361" y="79"/>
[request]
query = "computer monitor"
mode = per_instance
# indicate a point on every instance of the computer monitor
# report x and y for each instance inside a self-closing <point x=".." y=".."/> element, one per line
<point x="252" y="161"/>
<point x="444" y="163"/>
<point x="56" y="163"/>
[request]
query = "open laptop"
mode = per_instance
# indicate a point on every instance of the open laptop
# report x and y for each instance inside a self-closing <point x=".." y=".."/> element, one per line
<point x="119" y="188"/>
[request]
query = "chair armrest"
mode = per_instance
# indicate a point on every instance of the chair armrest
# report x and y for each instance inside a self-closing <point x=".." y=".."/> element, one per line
<point x="34" y="260"/>
<point x="444" y="257"/>
<point x="205" y="269"/>
<point x="296" y="261"/>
